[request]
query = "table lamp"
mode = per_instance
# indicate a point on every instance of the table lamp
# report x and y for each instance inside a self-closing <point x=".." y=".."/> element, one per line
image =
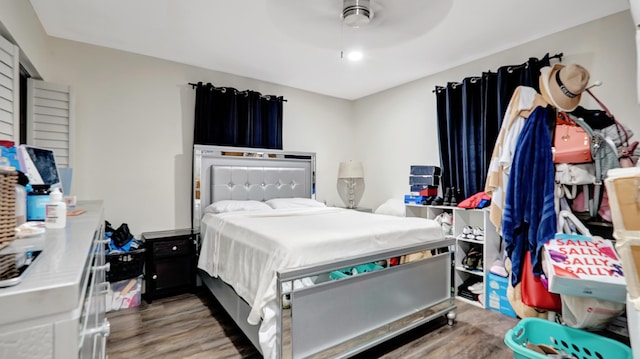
<point x="351" y="175"/>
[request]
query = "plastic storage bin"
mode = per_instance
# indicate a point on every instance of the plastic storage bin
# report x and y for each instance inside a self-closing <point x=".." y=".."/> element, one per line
<point x="575" y="342"/>
<point x="124" y="294"/>
<point x="125" y="265"/>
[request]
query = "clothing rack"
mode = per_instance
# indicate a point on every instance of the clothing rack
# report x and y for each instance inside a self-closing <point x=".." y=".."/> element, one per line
<point x="245" y="92"/>
<point x="510" y="69"/>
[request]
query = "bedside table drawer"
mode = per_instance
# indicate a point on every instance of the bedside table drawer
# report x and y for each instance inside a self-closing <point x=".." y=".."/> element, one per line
<point x="173" y="247"/>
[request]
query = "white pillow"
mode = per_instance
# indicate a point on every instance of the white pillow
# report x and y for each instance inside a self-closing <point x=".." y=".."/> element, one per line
<point x="299" y="202"/>
<point x="392" y="207"/>
<point x="235" y="206"/>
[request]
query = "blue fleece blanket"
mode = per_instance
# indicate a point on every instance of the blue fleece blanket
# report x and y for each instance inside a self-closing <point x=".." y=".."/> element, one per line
<point x="529" y="218"/>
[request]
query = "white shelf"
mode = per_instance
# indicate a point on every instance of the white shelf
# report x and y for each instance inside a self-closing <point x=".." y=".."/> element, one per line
<point x="469" y="240"/>
<point x="463" y="217"/>
<point x="472" y="302"/>
<point x="479" y="273"/>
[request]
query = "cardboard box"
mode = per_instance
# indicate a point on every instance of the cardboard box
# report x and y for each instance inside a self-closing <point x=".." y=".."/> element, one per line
<point x="584" y="266"/>
<point x="633" y="320"/>
<point x="124" y="294"/>
<point x="496" y="297"/>
<point x="623" y="186"/>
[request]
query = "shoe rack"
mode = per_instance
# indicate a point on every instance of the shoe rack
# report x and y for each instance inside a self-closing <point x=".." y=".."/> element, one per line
<point x="488" y="246"/>
<point x="425" y="211"/>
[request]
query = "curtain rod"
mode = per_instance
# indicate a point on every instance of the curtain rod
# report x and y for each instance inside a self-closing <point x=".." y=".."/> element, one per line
<point x="510" y="69"/>
<point x="223" y="89"/>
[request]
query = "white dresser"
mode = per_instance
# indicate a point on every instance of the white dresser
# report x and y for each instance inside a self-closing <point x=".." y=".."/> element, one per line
<point x="58" y="308"/>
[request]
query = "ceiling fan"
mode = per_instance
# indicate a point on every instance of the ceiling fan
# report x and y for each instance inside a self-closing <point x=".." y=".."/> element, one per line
<point x="373" y="25"/>
<point x="356" y="13"/>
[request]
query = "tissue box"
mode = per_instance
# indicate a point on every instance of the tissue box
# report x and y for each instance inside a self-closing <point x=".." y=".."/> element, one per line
<point x="496" y="295"/>
<point x="124" y="294"/>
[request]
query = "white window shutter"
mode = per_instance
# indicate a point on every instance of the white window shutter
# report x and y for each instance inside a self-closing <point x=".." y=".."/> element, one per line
<point x="9" y="91"/>
<point x="50" y="119"/>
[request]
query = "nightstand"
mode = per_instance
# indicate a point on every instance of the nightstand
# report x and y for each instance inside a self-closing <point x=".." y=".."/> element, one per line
<point x="170" y="263"/>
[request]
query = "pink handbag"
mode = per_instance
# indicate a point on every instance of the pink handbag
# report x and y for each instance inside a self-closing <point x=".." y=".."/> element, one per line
<point x="571" y="144"/>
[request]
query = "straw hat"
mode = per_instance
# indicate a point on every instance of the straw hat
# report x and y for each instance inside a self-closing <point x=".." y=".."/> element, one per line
<point x="562" y="86"/>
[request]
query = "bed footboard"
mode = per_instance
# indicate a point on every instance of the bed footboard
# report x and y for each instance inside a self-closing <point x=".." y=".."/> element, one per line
<point x="343" y="317"/>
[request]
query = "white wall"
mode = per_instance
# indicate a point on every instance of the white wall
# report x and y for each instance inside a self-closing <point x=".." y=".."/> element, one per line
<point x="135" y="131"/>
<point x="398" y="127"/>
<point x="135" y="124"/>
<point x="135" y="116"/>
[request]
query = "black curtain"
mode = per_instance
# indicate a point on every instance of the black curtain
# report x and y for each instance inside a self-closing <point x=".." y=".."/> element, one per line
<point x="469" y="115"/>
<point x="225" y="116"/>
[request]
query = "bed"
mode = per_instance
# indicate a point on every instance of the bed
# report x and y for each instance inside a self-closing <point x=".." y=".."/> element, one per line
<point x="273" y="269"/>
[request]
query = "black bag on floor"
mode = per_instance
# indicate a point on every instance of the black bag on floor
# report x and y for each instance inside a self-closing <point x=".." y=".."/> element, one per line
<point x="121" y="236"/>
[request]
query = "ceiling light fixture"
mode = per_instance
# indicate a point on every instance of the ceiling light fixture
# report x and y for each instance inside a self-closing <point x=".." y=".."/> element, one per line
<point x="356" y="13"/>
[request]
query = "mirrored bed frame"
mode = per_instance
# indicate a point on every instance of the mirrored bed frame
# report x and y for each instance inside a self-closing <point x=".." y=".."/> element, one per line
<point x="381" y="304"/>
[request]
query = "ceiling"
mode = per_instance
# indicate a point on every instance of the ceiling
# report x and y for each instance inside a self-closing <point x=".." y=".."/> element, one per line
<point x="298" y="43"/>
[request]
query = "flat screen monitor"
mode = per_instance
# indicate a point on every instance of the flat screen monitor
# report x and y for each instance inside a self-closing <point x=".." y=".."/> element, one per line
<point x="39" y="164"/>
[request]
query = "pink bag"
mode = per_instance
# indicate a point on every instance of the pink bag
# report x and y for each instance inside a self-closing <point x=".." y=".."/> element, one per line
<point x="578" y="205"/>
<point x="571" y="142"/>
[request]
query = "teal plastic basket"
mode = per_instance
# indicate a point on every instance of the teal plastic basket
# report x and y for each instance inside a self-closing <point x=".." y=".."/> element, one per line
<point x="574" y="342"/>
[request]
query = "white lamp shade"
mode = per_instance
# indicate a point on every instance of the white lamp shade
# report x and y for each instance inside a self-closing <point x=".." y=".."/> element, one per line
<point x="351" y="169"/>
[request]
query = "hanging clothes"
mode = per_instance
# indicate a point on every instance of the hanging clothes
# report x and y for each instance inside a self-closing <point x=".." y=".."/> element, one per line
<point x="529" y="217"/>
<point x="522" y="103"/>
<point x="469" y="115"/>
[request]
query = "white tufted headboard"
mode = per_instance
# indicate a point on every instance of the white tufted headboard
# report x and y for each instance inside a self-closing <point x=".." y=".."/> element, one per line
<point x="221" y="173"/>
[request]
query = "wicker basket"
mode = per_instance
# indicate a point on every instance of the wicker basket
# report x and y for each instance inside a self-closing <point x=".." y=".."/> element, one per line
<point x="8" y="181"/>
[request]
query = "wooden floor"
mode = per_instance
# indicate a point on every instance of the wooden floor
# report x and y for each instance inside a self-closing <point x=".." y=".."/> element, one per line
<point x="195" y="326"/>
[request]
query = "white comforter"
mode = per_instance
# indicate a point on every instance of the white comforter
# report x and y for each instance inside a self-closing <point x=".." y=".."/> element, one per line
<point x="245" y="249"/>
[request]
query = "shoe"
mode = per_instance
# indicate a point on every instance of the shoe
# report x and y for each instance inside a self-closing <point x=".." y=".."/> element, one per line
<point x="473" y="259"/>
<point x="447" y="229"/>
<point x="477" y="288"/>
<point x="453" y="200"/>
<point x="429" y="200"/>
<point x="438" y="201"/>
<point x="456" y="197"/>
<point x="478" y="234"/>
<point x="447" y="197"/>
